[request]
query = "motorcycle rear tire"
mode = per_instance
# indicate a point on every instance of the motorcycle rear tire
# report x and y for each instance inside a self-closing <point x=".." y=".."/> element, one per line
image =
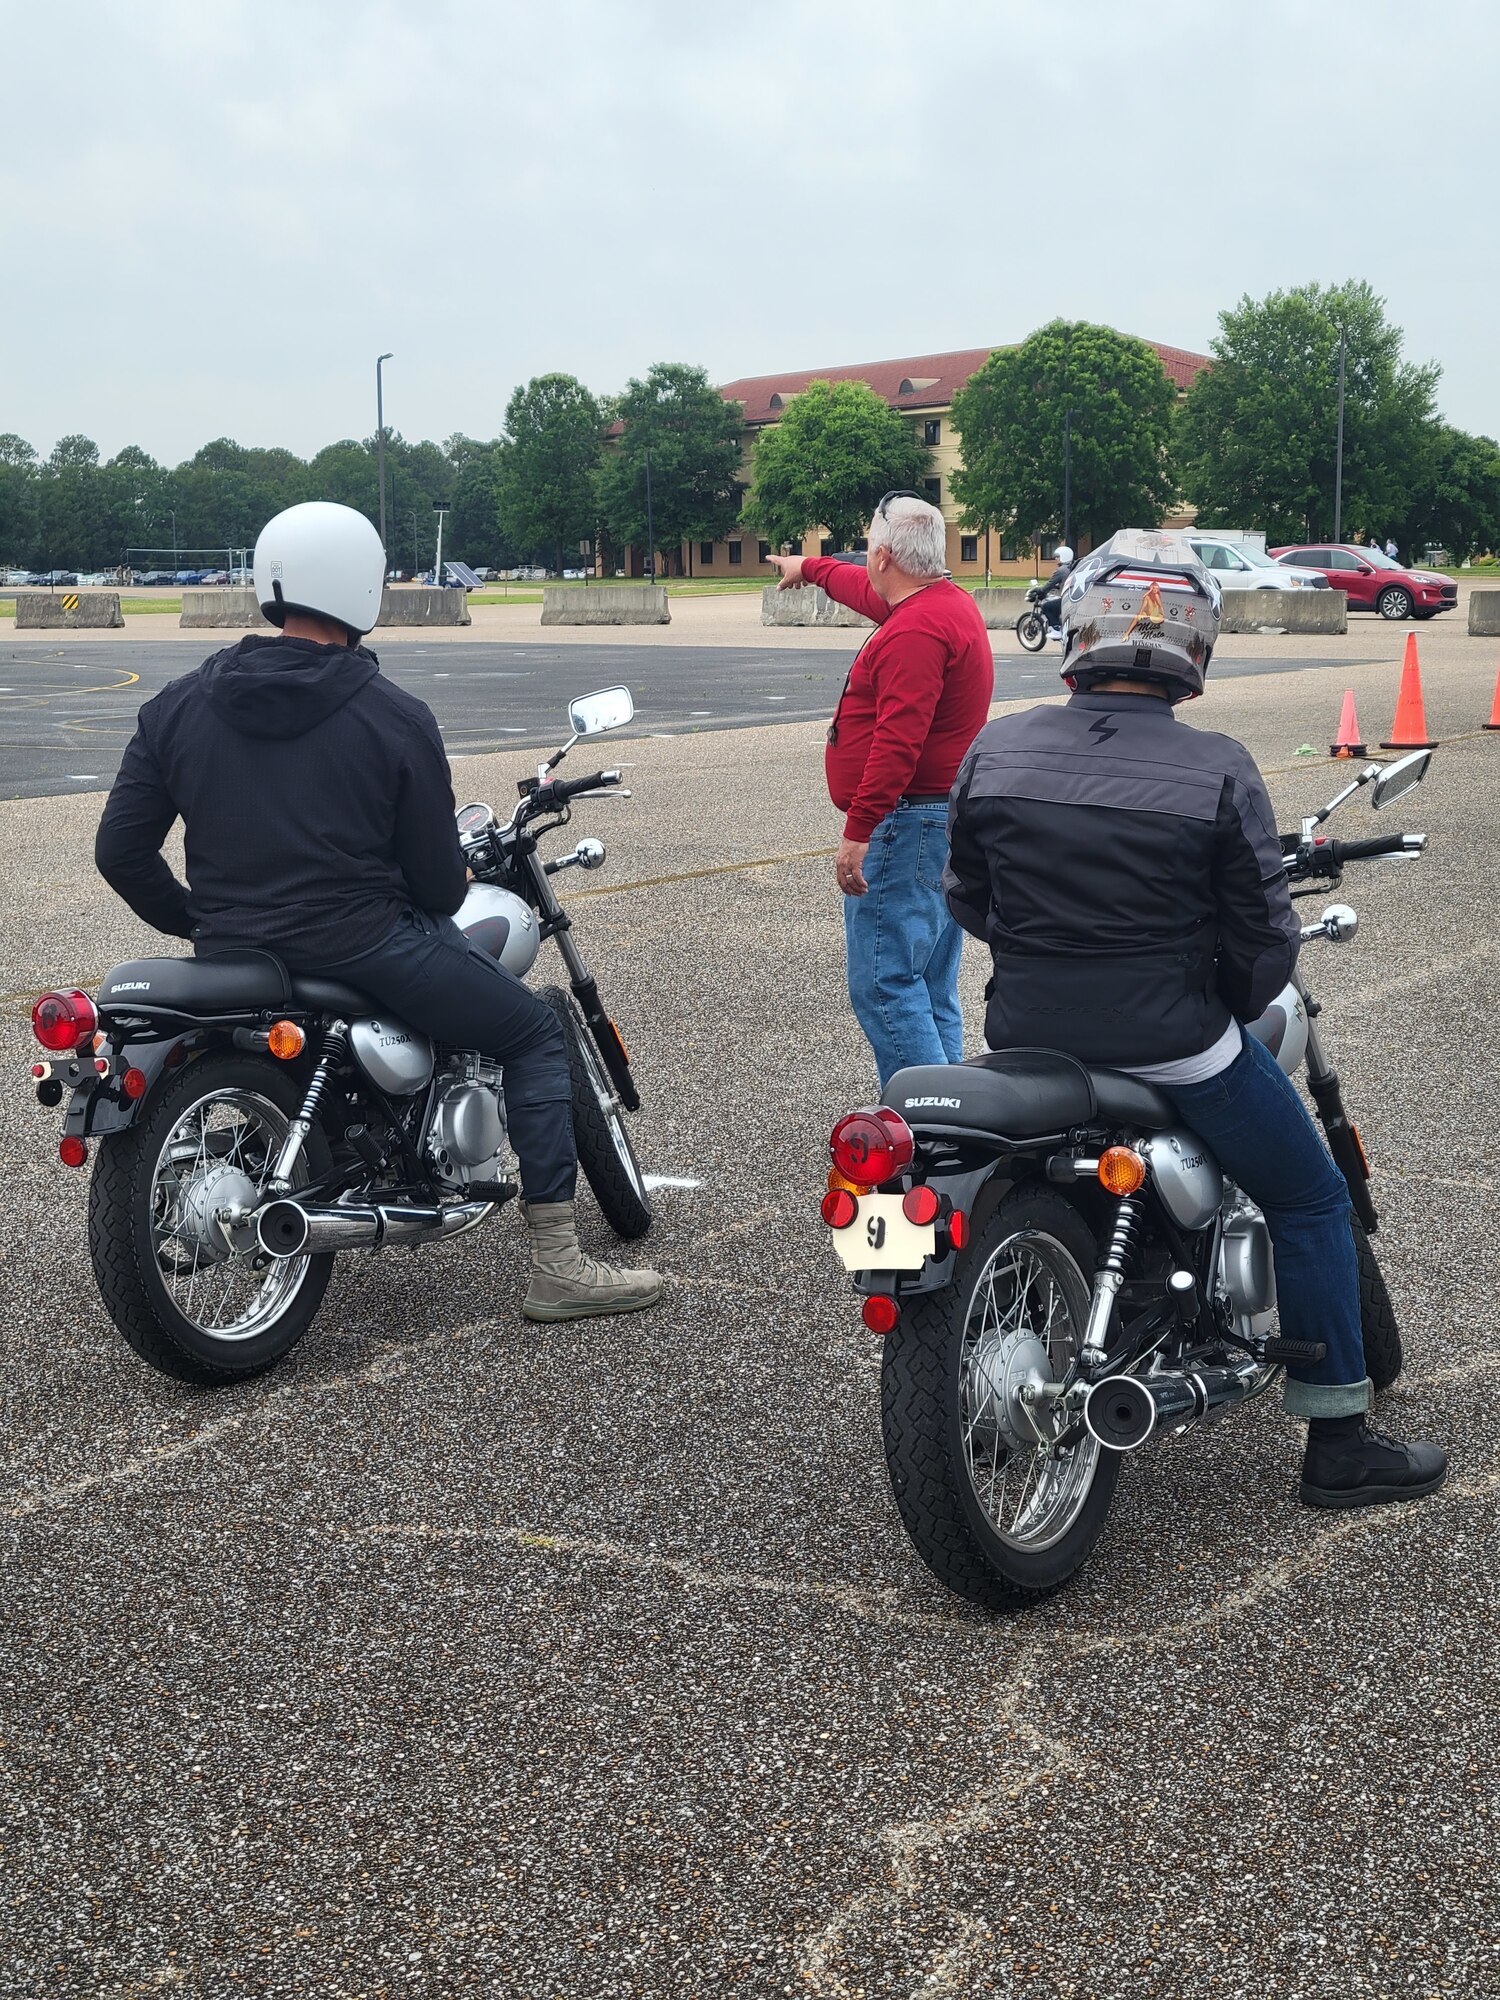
<point x="599" y="1130"/>
<point x="1377" y="1316"/>
<point x="122" y="1244"/>
<point x="922" y="1425"/>
<point x="1031" y="630"/>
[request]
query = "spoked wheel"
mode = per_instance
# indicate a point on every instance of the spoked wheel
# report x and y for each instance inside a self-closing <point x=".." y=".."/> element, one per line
<point x="604" y="1150"/>
<point x="1031" y="630"/>
<point x="177" y="1261"/>
<point x="999" y="1509"/>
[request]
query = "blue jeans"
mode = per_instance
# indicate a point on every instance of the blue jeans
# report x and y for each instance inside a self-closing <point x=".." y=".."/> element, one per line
<point x="1263" y="1137"/>
<point x="903" y="947"/>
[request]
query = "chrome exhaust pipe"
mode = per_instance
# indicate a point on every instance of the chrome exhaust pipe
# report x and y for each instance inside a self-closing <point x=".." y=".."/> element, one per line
<point x="1123" y="1411"/>
<point x="291" y="1229"/>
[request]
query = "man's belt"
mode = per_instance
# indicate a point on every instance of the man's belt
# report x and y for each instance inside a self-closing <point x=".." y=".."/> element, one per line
<point x="923" y="799"/>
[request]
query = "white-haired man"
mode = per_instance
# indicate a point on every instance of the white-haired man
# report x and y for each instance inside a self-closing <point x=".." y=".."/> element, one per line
<point x="917" y="695"/>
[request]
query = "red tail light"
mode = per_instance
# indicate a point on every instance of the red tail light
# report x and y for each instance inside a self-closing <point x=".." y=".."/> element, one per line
<point x="63" y="1020"/>
<point x="872" y="1147"/>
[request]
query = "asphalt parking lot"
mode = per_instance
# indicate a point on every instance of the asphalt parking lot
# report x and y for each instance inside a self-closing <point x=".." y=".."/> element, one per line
<point x="69" y="707"/>
<point x="465" y="1657"/>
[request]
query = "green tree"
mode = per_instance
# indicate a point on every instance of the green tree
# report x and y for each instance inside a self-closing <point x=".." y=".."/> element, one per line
<point x="1257" y="434"/>
<point x="836" y="450"/>
<point x="19" y="520"/>
<point x="546" y="466"/>
<point x="677" y="420"/>
<point x="1107" y="392"/>
<point x="138" y="500"/>
<point x="474" y="527"/>
<point x="75" y="530"/>
<point x="1456" y="503"/>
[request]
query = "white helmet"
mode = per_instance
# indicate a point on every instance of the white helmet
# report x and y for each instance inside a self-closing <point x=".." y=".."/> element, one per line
<point x="1062" y="553"/>
<point x="321" y="558"/>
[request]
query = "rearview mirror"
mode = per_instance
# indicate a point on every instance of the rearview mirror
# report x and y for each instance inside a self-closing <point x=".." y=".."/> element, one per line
<point x="592" y="714"/>
<point x="1397" y="779"/>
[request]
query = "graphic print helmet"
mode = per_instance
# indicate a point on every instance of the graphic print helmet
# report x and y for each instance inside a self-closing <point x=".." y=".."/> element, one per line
<point x="1141" y="605"/>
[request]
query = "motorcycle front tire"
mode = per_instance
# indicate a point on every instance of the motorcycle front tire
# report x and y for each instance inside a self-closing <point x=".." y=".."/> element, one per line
<point x="1031" y="630"/>
<point x="1377" y="1316"/>
<point x="600" y="1133"/>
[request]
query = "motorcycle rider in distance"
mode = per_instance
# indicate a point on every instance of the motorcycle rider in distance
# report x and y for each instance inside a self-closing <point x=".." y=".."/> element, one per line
<point x="1126" y="873"/>
<point x="318" y="818"/>
<point x="1050" y="601"/>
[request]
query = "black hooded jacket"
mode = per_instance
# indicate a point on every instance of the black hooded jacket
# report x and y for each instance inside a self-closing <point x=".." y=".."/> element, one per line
<point x="1126" y="873"/>
<point x="315" y="798"/>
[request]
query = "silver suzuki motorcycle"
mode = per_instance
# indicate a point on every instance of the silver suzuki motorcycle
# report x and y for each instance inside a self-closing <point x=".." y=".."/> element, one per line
<point x="250" y="1123"/>
<point x="1061" y="1271"/>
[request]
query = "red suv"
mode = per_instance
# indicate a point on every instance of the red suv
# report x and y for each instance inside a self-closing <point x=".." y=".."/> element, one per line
<point x="1376" y="582"/>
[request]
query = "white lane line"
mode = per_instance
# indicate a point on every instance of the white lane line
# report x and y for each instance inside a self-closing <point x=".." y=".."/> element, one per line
<point x="84" y="777"/>
<point x="691" y="711"/>
<point x="653" y="1181"/>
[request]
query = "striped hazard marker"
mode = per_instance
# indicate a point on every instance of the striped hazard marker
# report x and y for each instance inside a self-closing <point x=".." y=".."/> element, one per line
<point x="70" y="602"/>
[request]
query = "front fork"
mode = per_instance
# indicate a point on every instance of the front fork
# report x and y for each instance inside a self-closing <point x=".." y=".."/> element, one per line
<point x="1344" y="1141"/>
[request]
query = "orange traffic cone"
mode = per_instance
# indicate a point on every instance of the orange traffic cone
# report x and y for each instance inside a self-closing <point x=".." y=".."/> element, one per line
<point x="1494" y="721"/>
<point x="1409" y="730"/>
<point x="1349" y="742"/>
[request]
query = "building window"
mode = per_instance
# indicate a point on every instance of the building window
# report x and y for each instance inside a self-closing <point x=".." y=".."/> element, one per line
<point x="933" y="488"/>
<point x="796" y="546"/>
<point x="706" y="554"/>
<point x="968" y="548"/>
<point x="826" y="546"/>
<point x="734" y="552"/>
<point x="932" y="431"/>
<point x="764" y="549"/>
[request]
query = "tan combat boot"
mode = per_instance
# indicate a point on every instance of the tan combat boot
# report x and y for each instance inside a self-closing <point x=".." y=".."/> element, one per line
<point x="565" y="1284"/>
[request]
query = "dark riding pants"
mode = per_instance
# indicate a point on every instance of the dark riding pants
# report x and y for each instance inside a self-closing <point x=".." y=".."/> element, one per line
<point x="427" y="972"/>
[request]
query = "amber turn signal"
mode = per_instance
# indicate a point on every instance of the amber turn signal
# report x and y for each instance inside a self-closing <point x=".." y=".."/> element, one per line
<point x="286" y="1040"/>
<point x="1121" y="1170"/>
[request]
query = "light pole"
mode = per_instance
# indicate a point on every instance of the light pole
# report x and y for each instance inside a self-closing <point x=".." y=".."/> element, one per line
<point x="173" y="512"/>
<point x="1338" y="452"/>
<point x="1067" y="534"/>
<point x="650" y="535"/>
<point x="440" y="508"/>
<point x="380" y="435"/>
<point x="416" y="556"/>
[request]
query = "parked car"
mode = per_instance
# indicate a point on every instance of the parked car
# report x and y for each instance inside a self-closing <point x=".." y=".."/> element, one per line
<point x="1375" y="582"/>
<point x="214" y="576"/>
<point x="1241" y="568"/>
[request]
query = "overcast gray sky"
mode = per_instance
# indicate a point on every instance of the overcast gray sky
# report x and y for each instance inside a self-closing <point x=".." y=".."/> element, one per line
<point x="214" y="217"/>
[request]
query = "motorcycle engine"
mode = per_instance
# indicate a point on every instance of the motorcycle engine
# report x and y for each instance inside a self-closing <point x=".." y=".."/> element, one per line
<point x="1247" y="1273"/>
<point x="466" y="1141"/>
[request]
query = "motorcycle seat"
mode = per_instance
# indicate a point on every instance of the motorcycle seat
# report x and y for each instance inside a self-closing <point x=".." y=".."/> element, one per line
<point x="1024" y="1094"/>
<point x="230" y="982"/>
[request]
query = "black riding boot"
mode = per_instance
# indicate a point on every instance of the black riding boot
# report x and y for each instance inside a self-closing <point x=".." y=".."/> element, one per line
<point x="1350" y="1465"/>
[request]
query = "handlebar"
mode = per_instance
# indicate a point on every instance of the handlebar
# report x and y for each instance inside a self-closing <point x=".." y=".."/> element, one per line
<point x="563" y="789"/>
<point x="1329" y="857"/>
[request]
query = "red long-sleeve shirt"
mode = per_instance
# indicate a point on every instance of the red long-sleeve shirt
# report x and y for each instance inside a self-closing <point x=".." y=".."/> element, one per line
<point x="919" y="692"/>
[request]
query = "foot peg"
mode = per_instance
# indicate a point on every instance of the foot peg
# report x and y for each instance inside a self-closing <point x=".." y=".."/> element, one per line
<point x="1293" y="1350"/>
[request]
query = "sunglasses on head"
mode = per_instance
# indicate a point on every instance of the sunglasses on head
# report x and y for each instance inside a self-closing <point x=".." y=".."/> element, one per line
<point x="900" y="493"/>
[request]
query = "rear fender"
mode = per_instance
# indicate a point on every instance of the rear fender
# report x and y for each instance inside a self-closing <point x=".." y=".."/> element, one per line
<point x="99" y="1106"/>
<point x="974" y="1193"/>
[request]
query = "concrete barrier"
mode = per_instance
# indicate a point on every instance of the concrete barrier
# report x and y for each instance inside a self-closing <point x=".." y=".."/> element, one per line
<point x="807" y="606"/>
<point x="221" y="610"/>
<point x="1484" y="614"/>
<point x="606" y="604"/>
<point x="47" y="611"/>
<point x="424" y="607"/>
<point x="1285" y="611"/>
<point x="1001" y="608"/>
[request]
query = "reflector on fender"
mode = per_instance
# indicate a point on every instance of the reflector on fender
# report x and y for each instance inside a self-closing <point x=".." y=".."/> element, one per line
<point x="958" y="1229"/>
<point x="921" y="1204"/>
<point x="285" y="1040"/>
<point x="72" y="1151"/>
<point x="133" y="1083"/>
<point x="1121" y="1170"/>
<point x="839" y="1208"/>
<point x="1359" y="1147"/>
<point x="880" y="1313"/>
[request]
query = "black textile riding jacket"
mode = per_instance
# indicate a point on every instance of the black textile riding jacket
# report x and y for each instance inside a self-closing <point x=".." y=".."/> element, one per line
<point x="1126" y="873"/>
<point x="315" y="799"/>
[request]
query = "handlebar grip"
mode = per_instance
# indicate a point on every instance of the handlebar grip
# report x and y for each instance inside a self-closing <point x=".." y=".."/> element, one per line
<point x="564" y="789"/>
<point x="1367" y="850"/>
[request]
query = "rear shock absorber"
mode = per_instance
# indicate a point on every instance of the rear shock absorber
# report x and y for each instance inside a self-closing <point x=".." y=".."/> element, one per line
<point x="1110" y="1274"/>
<point x="335" y="1050"/>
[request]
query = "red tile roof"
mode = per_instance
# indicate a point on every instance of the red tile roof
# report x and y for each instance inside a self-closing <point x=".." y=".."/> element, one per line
<point x="920" y="382"/>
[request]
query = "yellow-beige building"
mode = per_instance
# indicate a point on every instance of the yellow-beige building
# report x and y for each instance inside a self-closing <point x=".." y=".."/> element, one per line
<point x="922" y="386"/>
